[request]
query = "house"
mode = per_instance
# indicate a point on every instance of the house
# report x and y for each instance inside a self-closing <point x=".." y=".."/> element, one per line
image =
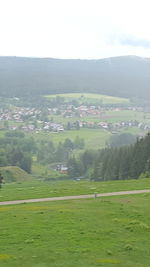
<point x="62" y="168"/>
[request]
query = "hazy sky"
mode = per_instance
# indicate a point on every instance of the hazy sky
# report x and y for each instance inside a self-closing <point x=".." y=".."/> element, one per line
<point x="74" y="28"/>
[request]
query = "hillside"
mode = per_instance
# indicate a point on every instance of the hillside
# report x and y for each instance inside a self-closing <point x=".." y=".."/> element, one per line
<point x="14" y="174"/>
<point x="127" y="76"/>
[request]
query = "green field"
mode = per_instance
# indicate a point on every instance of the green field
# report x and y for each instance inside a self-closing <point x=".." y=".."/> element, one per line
<point x="103" y="232"/>
<point x="41" y="189"/>
<point x="94" y="138"/>
<point x="14" y="174"/>
<point x="124" y="115"/>
<point x="42" y="171"/>
<point x="109" y="116"/>
<point x="94" y="98"/>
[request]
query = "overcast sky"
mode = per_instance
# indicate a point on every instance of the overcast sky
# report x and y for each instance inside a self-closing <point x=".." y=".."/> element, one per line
<point x="74" y="28"/>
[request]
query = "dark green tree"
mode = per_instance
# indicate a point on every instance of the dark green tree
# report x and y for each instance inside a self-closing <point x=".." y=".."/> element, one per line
<point x="75" y="167"/>
<point x="26" y="163"/>
<point x="122" y="139"/>
<point x="68" y="126"/>
<point x="79" y="143"/>
<point x="88" y="158"/>
<point x="77" y="125"/>
<point x="61" y="154"/>
<point x="68" y="144"/>
<point x="1" y="180"/>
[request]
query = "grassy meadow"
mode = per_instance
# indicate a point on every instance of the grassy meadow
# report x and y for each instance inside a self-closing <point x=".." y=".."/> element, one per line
<point x="40" y="171"/>
<point x="109" y="116"/>
<point x="94" y="98"/>
<point x="102" y="232"/>
<point x="124" y="115"/>
<point x="14" y="174"/>
<point x="94" y="138"/>
<point x="43" y="189"/>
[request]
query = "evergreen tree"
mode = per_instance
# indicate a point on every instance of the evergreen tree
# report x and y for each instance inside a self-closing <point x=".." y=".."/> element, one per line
<point x="68" y="144"/>
<point x="68" y="126"/>
<point x="61" y="154"/>
<point x="75" y="167"/>
<point x="79" y="143"/>
<point x="26" y="163"/>
<point x="1" y="180"/>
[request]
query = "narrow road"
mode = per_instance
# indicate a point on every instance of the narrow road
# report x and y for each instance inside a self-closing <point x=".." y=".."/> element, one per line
<point x="13" y="202"/>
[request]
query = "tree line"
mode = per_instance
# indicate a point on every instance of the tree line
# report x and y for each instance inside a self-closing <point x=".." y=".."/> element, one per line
<point x="18" y="150"/>
<point x="114" y="163"/>
<point x="48" y="152"/>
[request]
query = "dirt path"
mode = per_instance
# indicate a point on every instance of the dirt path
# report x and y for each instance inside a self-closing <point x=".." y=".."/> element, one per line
<point x="74" y="197"/>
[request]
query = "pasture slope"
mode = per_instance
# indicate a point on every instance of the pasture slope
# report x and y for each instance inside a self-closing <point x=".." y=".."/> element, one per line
<point x="95" y="195"/>
<point x="106" y="231"/>
<point x="57" y="188"/>
<point x="95" y="232"/>
<point x="91" y="98"/>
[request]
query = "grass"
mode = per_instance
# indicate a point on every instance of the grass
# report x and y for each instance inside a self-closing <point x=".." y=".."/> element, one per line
<point x="94" y="138"/>
<point x="14" y="174"/>
<point x="2" y="133"/>
<point x="124" y="115"/>
<point x="111" y="116"/>
<point x="41" y="189"/>
<point x="41" y="171"/>
<point x="94" y="98"/>
<point x="99" y="232"/>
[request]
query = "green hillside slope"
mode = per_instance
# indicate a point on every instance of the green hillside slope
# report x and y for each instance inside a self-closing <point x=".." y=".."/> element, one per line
<point x="14" y="174"/>
<point x="119" y="76"/>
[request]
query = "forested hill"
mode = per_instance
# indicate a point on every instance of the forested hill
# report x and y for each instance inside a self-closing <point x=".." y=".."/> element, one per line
<point x="126" y="162"/>
<point x="127" y="76"/>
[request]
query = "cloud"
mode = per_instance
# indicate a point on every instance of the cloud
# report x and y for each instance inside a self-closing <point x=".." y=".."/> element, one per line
<point x="135" y="42"/>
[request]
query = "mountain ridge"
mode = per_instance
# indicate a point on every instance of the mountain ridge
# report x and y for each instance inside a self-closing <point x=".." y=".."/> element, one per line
<point x="124" y="76"/>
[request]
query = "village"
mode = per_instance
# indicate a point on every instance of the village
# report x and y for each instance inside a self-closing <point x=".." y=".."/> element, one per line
<point x="72" y="117"/>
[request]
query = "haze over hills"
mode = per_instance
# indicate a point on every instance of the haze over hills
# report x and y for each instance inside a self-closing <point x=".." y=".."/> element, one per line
<point x="127" y="76"/>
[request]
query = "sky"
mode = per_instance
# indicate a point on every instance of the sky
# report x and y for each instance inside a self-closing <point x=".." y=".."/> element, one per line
<point x="83" y="29"/>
